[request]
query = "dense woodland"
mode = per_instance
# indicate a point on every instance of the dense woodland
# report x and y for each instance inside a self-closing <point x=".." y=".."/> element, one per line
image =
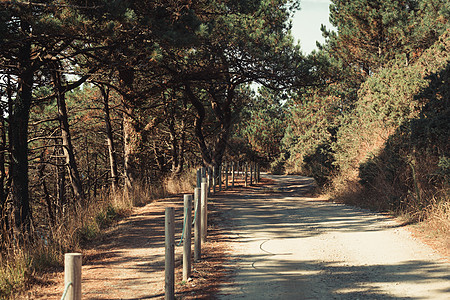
<point x="103" y="102"/>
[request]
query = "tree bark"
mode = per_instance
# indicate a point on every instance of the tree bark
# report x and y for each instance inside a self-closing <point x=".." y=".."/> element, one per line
<point x="131" y="136"/>
<point x="110" y="139"/>
<point x="212" y="155"/>
<point x="18" y="137"/>
<point x="66" y="139"/>
<point x="131" y="145"/>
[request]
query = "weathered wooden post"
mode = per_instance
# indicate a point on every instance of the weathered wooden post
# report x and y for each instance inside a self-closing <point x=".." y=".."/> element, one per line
<point x="232" y="174"/>
<point x="187" y="237"/>
<point x="72" y="275"/>
<point x="245" y="173"/>
<point x="204" y="212"/>
<point x="197" y="225"/>
<point x="170" y="254"/>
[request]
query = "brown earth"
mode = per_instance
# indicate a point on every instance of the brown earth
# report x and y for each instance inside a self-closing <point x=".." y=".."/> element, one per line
<point x="127" y="262"/>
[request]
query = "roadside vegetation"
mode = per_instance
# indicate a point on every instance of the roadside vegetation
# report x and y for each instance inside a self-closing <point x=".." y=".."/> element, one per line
<point x="110" y="104"/>
<point x="378" y="134"/>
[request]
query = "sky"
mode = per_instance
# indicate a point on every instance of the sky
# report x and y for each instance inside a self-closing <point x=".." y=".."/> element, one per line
<point x="306" y="23"/>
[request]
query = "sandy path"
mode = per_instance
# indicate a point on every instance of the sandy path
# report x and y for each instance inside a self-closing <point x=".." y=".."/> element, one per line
<point x="289" y="246"/>
<point x="128" y="262"/>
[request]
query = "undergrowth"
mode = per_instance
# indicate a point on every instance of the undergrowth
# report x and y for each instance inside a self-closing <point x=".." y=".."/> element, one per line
<point x="21" y="263"/>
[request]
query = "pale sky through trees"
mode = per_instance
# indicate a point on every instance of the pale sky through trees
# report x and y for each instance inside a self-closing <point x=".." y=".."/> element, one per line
<point x="307" y="21"/>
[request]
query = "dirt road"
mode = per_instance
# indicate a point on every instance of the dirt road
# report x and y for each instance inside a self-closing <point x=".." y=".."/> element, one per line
<point x="289" y="246"/>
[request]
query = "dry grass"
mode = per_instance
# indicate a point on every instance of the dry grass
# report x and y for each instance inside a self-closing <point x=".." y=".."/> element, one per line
<point x="181" y="184"/>
<point x="24" y="264"/>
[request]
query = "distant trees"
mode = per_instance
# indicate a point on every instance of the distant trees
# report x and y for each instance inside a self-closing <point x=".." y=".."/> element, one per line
<point x="125" y="92"/>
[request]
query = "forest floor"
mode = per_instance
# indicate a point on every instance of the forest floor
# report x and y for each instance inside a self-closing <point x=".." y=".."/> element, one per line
<point x="269" y="241"/>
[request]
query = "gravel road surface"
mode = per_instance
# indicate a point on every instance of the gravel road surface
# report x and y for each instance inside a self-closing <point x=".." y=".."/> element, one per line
<point x="286" y="245"/>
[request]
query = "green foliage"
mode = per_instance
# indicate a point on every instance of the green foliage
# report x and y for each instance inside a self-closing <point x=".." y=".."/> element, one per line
<point x="13" y="274"/>
<point x="311" y="128"/>
<point x="390" y="140"/>
<point x="264" y="124"/>
<point x="106" y="217"/>
<point x="387" y="100"/>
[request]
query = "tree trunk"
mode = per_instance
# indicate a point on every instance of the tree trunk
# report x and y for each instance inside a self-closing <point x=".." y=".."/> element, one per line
<point x="3" y="175"/>
<point x="110" y="139"/>
<point x="67" y="140"/>
<point x="131" y="137"/>
<point x="131" y="145"/>
<point x="60" y="182"/>
<point x="41" y="174"/>
<point x="18" y="137"/>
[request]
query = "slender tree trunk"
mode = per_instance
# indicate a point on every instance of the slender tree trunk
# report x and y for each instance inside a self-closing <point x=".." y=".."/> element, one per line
<point x="67" y="140"/>
<point x="50" y="208"/>
<point x="60" y="182"/>
<point x="18" y="137"/>
<point x="3" y="149"/>
<point x="131" y="136"/>
<point x="181" y="148"/>
<point x="110" y="139"/>
<point x="131" y="144"/>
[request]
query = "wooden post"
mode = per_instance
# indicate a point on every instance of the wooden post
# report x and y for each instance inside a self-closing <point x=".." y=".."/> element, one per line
<point x="170" y="254"/>
<point x="72" y="275"/>
<point x="187" y="237"/>
<point x="204" y="212"/>
<point x="245" y="174"/>
<point x="197" y="225"/>
<point x="232" y="174"/>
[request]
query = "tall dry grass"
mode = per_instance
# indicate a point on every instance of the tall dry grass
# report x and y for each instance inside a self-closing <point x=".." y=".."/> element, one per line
<point x="46" y="252"/>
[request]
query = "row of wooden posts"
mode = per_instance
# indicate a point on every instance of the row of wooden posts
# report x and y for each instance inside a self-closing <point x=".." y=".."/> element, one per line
<point x="250" y="172"/>
<point x="206" y="179"/>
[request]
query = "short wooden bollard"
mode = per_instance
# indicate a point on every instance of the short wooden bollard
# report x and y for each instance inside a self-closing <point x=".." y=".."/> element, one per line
<point x="170" y="254"/>
<point x="72" y="276"/>
<point x="197" y="225"/>
<point x="187" y="237"/>
<point x="204" y="212"/>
